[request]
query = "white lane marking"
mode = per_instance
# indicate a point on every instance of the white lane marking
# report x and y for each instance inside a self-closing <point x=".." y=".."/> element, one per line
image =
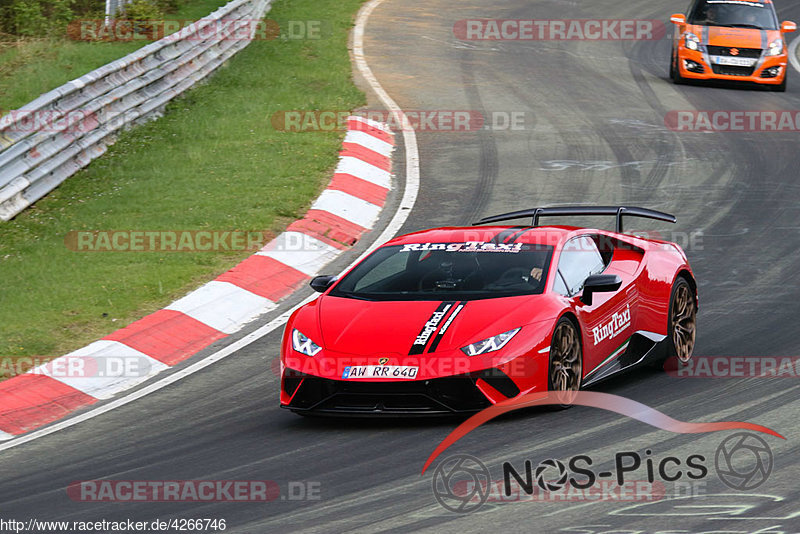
<point x="409" y="135"/>
<point x="300" y="251"/>
<point x="155" y="386"/>
<point x="5" y="435"/>
<point x="406" y="204"/>
<point x="102" y="369"/>
<point x="366" y="171"/>
<point x="222" y="306"/>
<point x="348" y="207"/>
<point x="793" y="59"/>
<point x="369" y="141"/>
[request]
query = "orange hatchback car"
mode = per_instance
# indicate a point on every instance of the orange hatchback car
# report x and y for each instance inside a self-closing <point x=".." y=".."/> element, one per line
<point x="732" y="40"/>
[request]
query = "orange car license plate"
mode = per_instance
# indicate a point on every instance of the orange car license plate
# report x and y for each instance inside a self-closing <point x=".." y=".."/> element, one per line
<point x="734" y="61"/>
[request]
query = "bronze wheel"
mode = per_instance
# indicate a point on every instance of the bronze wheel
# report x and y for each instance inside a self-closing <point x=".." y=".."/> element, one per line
<point x="566" y="361"/>
<point x="682" y="321"/>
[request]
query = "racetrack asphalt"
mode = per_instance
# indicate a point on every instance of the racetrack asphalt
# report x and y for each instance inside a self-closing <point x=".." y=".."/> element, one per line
<point x="594" y="132"/>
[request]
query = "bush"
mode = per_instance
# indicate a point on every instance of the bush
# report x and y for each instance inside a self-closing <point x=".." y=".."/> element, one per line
<point x="89" y="8"/>
<point x="142" y="13"/>
<point x="43" y="18"/>
<point x="35" y="18"/>
<point x="169" y="6"/>
<point x="142" y="10"/>
<point x="27" y="19"/>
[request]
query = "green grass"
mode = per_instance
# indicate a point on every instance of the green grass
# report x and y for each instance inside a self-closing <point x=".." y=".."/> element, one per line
<point x="30" y="67"/>
<point x="212" y="162"/>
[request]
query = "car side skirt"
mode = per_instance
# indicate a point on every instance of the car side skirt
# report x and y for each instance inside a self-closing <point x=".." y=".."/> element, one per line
<point x="641" y="347"/>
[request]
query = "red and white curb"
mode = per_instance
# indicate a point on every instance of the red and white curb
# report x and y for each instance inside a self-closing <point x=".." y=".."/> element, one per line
<point x="348" y="208"/>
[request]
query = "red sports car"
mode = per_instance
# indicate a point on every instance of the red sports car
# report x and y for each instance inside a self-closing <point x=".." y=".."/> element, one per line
<point x="452" y="320"/>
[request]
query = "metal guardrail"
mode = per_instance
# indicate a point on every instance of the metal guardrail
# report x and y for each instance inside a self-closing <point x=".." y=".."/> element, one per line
<point x="83" y="116"/>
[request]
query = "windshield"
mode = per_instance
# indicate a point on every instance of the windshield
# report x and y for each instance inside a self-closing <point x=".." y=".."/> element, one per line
<point x="451" y="271"/>
<point x="734" y="14"/>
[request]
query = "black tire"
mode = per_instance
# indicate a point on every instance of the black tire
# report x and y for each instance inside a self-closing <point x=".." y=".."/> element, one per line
<point x="676" y="73"/>
<point x="672" y="66"/>
<point x="565" y="371"/>
<point x="682" y="322"/>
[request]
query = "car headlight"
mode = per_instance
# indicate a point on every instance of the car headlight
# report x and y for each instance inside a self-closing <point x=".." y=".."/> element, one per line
<point x="692" y="41"/>
<point x="775" y="48"/>
<point x="303" y="344"/>
<point x="490" y="344"/>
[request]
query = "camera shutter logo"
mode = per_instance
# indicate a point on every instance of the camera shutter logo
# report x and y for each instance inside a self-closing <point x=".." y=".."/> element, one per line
<point x="551" y="484"/>
<point x="456" y="469"/>
<point x="743" y="461"/>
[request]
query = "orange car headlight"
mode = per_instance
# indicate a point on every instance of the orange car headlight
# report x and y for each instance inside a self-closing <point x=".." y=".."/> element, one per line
<point x="775" y="48"/>
<point x="692" y="41"/>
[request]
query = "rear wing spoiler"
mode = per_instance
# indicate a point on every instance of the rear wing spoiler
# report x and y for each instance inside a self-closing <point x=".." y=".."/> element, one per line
<point x="618" y="211"/>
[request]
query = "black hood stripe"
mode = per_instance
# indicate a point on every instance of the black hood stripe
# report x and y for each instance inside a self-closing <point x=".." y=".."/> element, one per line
<point x="430" y="327"/>
<point x="446" y="325"/>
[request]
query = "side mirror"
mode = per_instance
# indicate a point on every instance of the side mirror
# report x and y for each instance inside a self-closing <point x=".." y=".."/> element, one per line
<point x="599" y="283"/>
<point x="321" y="284"/>
<point x="678" y="18"/>
<point x="787" y="26"/>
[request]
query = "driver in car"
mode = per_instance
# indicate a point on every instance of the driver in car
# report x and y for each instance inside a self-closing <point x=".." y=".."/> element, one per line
<point x="713" y="14"/>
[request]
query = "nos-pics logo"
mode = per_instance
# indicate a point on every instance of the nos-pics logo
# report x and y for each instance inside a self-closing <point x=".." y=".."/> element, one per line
<point x="462" y="483"/>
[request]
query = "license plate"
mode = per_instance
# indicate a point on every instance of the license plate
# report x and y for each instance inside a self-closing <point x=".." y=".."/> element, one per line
<point x="400" y="372"/>
<point x="734" y="61"/>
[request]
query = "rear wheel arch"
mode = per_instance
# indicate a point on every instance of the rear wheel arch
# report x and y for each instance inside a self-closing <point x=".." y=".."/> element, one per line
<point x="684" y="273"/>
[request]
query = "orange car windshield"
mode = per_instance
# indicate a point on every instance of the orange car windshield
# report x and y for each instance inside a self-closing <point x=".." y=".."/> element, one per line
<point x="734" y="14"/>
